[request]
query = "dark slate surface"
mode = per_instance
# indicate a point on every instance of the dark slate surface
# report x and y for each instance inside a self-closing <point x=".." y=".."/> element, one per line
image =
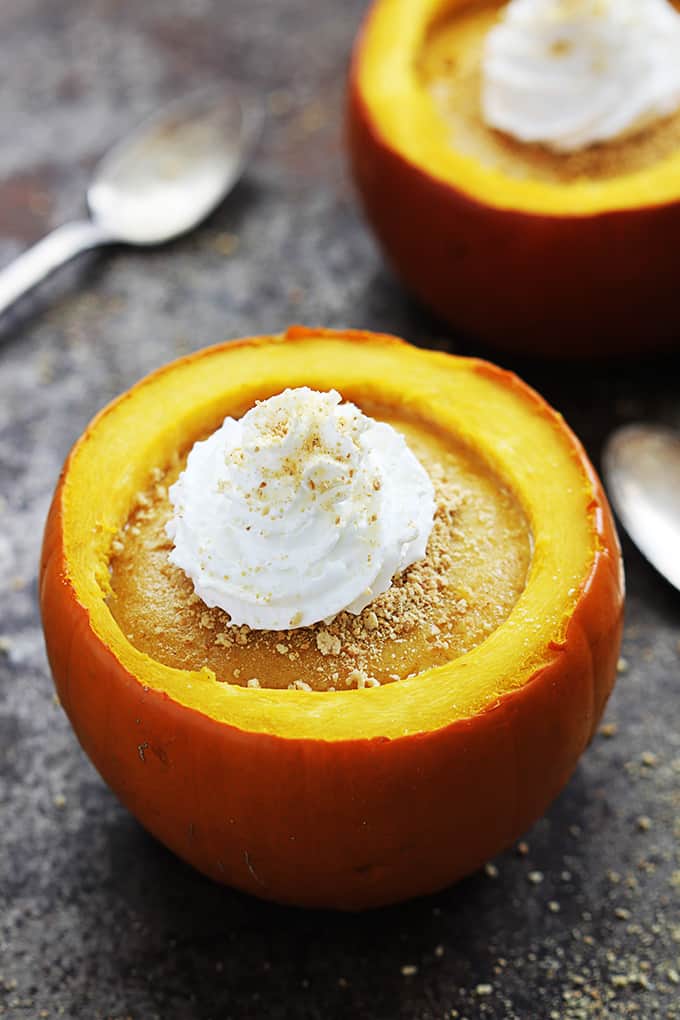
<point x="96" y="919"/>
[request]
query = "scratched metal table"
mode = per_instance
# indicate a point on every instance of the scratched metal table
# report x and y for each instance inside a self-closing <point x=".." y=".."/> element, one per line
<point x="97" y="920"/>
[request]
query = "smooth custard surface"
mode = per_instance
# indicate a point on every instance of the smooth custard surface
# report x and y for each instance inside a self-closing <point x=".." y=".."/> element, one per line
<point x="450" y="67"/>
<point x="475" y="570"/>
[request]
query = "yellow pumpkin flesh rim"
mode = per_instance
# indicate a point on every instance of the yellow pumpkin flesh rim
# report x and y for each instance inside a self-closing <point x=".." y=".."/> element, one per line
<point x="513" y="430"/>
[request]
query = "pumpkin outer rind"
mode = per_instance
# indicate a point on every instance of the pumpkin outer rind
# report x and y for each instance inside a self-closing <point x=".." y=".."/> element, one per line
<point x="567" y="285"/>
<point x="348" y="824"/>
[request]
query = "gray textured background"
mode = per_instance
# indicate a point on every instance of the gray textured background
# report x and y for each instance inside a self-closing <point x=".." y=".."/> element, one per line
<point x="96" y="919"/>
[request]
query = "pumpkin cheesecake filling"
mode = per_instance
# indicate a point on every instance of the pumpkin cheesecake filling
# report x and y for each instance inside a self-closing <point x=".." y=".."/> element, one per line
<point x="573" y="73"/>
<point x="450" y="66"/>
<point x="474" y="570"/>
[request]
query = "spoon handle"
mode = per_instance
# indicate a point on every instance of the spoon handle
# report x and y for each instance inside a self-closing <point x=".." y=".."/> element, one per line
<point x="33" y="265"/>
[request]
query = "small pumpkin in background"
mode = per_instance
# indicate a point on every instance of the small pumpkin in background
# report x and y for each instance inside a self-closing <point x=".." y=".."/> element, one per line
<point x="527" y="250"/>
<point x="355" y="798"/>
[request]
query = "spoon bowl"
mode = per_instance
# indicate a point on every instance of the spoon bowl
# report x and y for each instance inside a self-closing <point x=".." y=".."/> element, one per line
<point x="156" y="184"/>
<point x="641" y="466"/>
<point x="166" y="177"/>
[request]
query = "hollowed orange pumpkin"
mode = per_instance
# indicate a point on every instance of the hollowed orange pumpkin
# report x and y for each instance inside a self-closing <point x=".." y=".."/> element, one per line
<point x="583" y="265"/>
<point x="354" y="798"/>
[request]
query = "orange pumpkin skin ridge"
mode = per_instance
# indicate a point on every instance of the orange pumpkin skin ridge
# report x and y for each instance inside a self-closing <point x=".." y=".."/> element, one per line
<point x="347" y="824"/>
<point x="567" y="285"/>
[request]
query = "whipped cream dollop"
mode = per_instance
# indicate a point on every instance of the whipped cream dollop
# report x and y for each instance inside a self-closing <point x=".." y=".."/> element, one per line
<point x="570" y="73"/>
<point x="303" y="507"/>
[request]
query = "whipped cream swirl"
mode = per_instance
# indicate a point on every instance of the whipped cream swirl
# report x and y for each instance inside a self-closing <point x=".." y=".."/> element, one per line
<point x="300" y="509"/>
<point x="571" y="73"/>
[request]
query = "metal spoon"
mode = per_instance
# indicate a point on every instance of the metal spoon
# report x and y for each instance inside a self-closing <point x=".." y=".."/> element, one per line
<point x="156" y="184"/>
<point x="641" y="465"/>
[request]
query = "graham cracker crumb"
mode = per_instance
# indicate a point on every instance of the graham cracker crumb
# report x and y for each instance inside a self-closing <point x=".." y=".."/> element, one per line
<point x="242" y="635"/>
<point x="361" y="679"/>
<point x="299" y="685"/>
<point x="327" y="643"/>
